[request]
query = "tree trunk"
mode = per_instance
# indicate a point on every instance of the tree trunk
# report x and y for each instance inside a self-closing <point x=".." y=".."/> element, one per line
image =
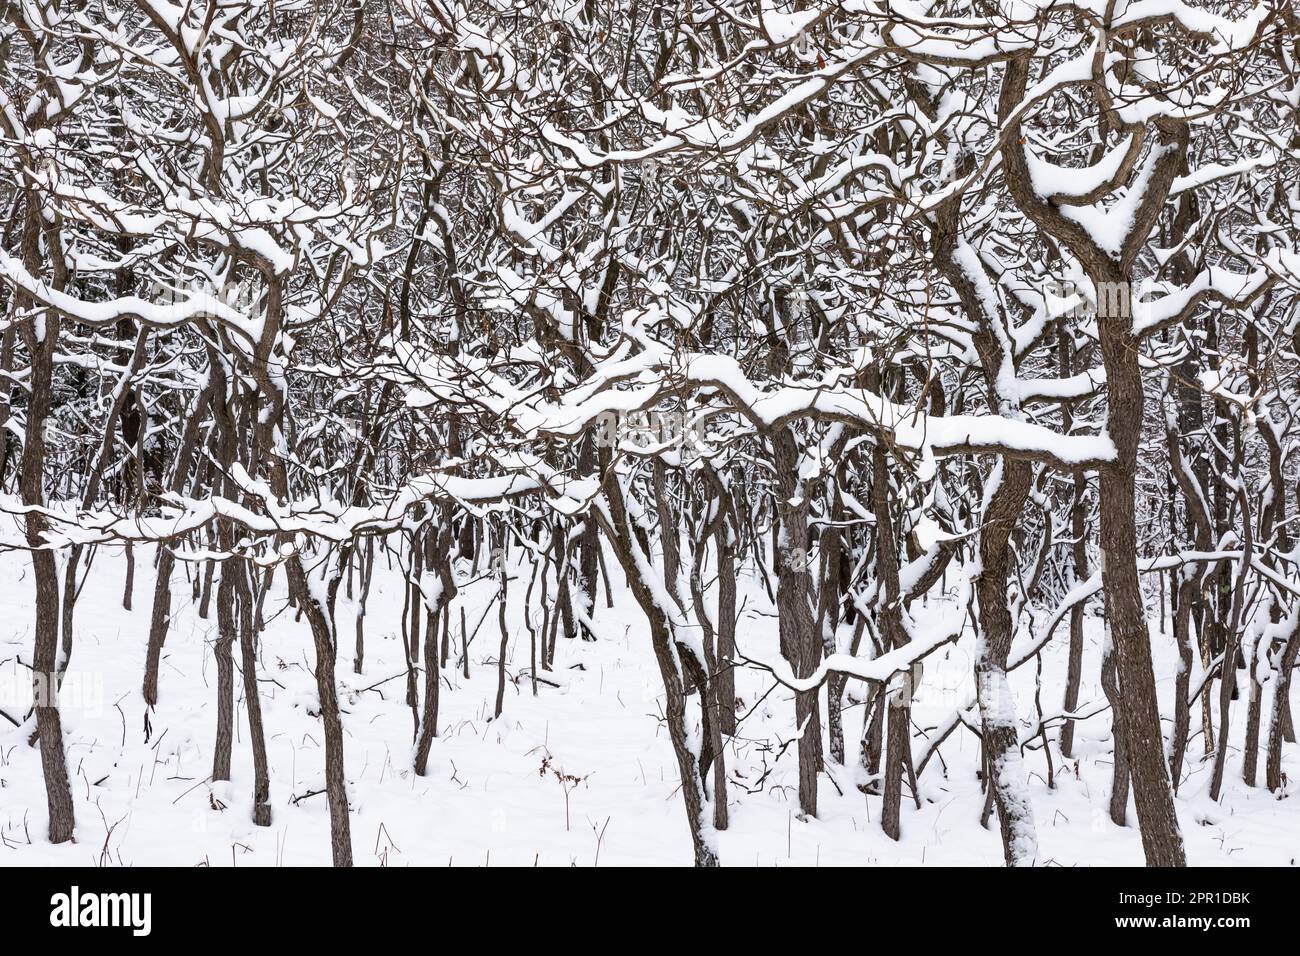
<point x="49" y="725"/>
<point x="898" y="735"/>
<point x="221" y="650"/>
<point x="996" y="703"/>
<point x="799" y="643"/>
<point x="320" y="619"/>
<point x="252" y="696"/>
<point x="1138" y="708"/>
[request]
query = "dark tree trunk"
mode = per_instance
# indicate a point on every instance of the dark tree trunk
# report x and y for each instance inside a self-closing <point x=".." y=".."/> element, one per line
<point x="997" y="707"/>
<point x="727" y="627"/>
<point x="1281" y="693"/>
<point x="221" y="649"/>
<point x="1119" y="777"/>
<point x="1074" y="668"/>
<point x="252" y="696"/>
<point x="799" y="643"/>
<point x="41" y="340"/>
<point x="898" y="734"/>
<point x="320" y="618"/>
<point x="437" y="557"/>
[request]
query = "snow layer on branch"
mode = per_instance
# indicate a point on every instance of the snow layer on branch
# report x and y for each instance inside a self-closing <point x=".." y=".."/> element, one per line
<point x="172" y="314"/>
<point x="1050" y="180"/>
<point x="943" y="626"/>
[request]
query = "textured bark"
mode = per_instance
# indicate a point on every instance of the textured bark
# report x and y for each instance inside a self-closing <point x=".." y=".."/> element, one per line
<point x="320" y="618"/>
<point x="1281" y="693"/>
<point x="871" y="746"/>
<point x="367" y="561"/>
<point x="49" y="725"/>
<point x="1182" y="615"/>
<point x="439" y="558"/>
<point x="504" y="584"/>
<point x="1250" y="758"/>
<point x="1078" y="561"/>
<point x="159" y="623"/>
<point x="1119" y="776"/>
<point x="800" y="645"/>
<point x="205" y="594"/>
<point x="1138" y="708"/>
<point x="898" y="733"/>
<point x="414" y="601"/>
<point x="588" y="542"/>
<point x="1288" y="640"/>
<point x="221" y="649"/>
<point x="128" y="583"/>
<point x="727" y="627"/>
<point x="997" y="707"/>
<point x="1074" y="667"/>
<point x="225" y="443"/>
<point x="1139" y="712"/>
<point x="40" y="334"/>
<point x="252" y="696"/>
<point x="713" y="702"/>
<point x="432" y="680"/>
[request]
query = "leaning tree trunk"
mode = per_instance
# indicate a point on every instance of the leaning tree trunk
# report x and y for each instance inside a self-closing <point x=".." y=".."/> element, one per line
<point x="631" y="551"/>
<point x="316" y="604"/>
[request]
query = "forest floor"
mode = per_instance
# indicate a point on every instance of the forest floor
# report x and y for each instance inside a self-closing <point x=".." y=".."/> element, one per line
<point x="492" y="795"/>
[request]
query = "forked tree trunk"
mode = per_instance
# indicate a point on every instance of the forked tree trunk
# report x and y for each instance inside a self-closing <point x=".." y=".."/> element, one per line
<point x="1139" y="710"/>
<point x="633" y="558"/>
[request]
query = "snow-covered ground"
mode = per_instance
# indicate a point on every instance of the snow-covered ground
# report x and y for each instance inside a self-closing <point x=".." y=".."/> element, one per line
<point x="487" y="799"/>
